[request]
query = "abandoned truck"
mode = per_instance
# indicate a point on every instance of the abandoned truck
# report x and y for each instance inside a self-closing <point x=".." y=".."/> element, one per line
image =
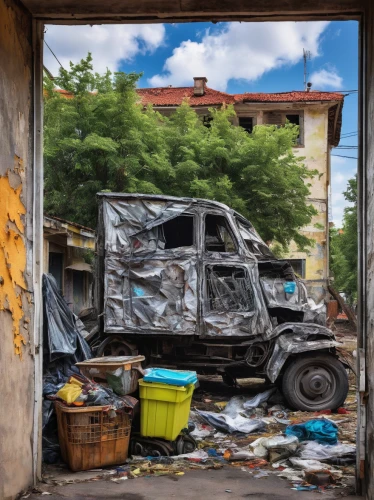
<point x="191" y="285"/>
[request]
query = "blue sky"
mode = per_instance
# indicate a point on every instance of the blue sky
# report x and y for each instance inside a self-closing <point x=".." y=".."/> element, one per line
<point x="235" y="57"/>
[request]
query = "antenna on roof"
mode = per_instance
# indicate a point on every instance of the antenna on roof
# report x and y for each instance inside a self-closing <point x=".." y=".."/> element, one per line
<point x="306" y="56"/>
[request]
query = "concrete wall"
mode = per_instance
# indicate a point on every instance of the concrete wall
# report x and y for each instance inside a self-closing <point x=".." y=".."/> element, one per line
<point x="16" y="360"/>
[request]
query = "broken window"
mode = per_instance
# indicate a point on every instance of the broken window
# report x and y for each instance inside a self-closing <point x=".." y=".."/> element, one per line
<point x="253" y="242"/>
<point x="246" y="122"/>
<point x="178" y="232"/>
<point x="218" y="237"/>
<point x="207" y="120"/>
<point x="280" y="118"/>
<point x="229" y="289"/>
<point x="55" y="267"/>
<point x="298" y="266"/>
<point x="295" y="120"/>
<point x="174" y="233"/>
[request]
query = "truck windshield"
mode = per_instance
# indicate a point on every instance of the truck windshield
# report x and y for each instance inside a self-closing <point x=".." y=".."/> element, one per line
<point x="253" y="241"/>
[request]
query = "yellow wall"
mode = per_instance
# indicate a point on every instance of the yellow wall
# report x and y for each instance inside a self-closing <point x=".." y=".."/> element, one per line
<point x="316" y="155"/>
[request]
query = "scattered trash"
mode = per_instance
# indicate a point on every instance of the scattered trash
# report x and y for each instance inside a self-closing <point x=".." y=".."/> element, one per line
<point x="309" y="487"/>
<point x="225" y="423"/>
<point x="275" y="448"/>
<point x="257" y="400"/>
<point x="343" y="411"/>
<point x="261" y="474"/>
<point x="321" y="431"/>
<point x="319" y="478"/>
<point x="312" y="450"/>
<point x="238" y="454"/>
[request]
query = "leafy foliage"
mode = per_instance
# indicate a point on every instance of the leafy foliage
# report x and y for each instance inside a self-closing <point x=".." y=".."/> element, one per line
<point x="344" y="247"/>
<point x="103" y="139"/>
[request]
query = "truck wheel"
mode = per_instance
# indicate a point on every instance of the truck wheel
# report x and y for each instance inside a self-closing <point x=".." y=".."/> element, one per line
<point x="115" y="346"/>
<point x="313" y="383"/>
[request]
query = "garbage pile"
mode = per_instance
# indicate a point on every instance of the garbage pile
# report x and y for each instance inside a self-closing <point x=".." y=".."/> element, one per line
<point x="89" y="404"/>
<point x="313" y="451"/>
<point x="87" y="401"/>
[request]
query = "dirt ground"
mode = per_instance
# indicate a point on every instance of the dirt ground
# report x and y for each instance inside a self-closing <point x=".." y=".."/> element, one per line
<point x="213" y="477"/>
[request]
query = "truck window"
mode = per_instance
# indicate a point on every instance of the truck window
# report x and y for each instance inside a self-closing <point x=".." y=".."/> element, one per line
<point x="174" y="233"/>
<point x="178" y="232"/>
<point x="218" y="236"/>
<point x="229" y="289"/>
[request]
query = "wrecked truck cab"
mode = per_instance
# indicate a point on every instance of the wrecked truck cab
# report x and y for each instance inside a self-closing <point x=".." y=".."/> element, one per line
<point x="190" y="284"/>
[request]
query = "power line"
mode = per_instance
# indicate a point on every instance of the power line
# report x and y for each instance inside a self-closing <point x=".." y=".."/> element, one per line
<point x="342" y="156"/>
<point x="54" y="55"/>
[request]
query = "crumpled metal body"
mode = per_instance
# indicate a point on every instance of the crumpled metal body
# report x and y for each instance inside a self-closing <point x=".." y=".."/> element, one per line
<point x="297" y="338"/>
<point x="152" y="288"/>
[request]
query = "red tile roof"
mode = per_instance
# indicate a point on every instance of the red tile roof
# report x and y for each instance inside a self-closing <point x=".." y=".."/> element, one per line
<point x="174" y="96"/>
<point x="294" y="96"/>
<point x="65" y="93"/>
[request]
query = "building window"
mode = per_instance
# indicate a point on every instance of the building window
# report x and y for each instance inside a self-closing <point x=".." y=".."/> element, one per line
<point x="206" y="120"/>
<point x="246" y="122"/>
<point x="295" y="120"/>
<point x="298" y="265"/>
<point x="55" y="267"/>
<point x="280" y="118"/>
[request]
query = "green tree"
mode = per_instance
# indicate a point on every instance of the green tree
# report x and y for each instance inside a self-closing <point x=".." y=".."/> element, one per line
<point x="344" y="247"/>
<point x="102" y="139"/>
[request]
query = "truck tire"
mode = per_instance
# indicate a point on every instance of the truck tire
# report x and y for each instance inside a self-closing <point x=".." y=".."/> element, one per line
<point x="315" y="382"/>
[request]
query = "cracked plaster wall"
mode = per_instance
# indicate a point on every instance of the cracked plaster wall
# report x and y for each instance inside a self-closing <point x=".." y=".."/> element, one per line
<point x="16" y="360"/>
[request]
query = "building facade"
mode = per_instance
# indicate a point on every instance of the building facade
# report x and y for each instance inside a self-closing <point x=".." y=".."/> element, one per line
<point x="319" y="117"/>
<point x="67" y="248"/>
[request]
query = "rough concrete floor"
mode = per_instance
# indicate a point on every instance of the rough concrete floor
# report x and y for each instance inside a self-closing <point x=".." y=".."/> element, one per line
<point x="204" y="484"/>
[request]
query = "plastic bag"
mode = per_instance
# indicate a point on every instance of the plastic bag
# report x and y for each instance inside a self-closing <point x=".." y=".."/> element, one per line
<point x="308" y="464"/>
<point x="257" y="400"/>
<point x="71" y="391"/>
<point x="225" y="423"/>
<point x="286" y="445"/>
<point x="311" y="450"/>
<point x="321" y="430"/>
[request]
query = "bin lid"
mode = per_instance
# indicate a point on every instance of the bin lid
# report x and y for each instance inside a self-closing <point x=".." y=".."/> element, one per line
<point x="171" y="377"/>
<point x="111" y="361"/>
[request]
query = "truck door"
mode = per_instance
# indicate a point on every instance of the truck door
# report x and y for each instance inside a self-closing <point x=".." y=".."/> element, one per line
<point x="228" y="305"/>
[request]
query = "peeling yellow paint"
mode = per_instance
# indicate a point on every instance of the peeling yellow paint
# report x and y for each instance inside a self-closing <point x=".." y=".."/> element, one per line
<point x="12" y="257"/>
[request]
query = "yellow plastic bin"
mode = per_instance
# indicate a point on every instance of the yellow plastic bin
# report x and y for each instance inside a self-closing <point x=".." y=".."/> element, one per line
<point x="164" y="409"/>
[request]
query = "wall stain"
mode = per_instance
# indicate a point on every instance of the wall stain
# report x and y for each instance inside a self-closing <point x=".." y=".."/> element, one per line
<point x="12" y="257"/>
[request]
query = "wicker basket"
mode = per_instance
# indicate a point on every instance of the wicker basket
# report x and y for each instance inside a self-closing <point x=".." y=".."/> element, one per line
<point x="92" y="437"/>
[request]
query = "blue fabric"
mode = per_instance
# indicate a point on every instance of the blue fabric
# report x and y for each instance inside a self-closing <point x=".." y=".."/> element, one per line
<point x="171" y="377"/>
<point x="320" y="430"/>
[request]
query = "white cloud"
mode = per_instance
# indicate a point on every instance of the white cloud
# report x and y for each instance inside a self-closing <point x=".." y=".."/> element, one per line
<point x="240" y="51"/>
<point x="326" y="78"/>
<point x="109" y="44"/>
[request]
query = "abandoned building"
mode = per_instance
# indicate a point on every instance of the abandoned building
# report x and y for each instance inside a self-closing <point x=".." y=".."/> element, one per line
<point x="319" y="116"/>
<point x="67" y="248"/>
